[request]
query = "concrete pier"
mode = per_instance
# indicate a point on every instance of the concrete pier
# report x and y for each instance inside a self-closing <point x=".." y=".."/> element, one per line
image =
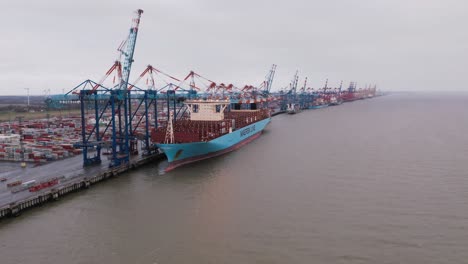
<point x="72" y="177"/>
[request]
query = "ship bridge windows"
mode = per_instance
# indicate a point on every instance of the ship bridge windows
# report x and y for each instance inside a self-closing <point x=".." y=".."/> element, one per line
<point x="210" y="110"/>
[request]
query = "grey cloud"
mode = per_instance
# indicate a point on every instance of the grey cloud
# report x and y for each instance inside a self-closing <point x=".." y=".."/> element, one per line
<point x="399" y="45"/>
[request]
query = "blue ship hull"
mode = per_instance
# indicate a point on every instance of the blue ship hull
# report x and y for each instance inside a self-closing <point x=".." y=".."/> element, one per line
<point x="183" y="153"/>
<point x="318" y="106"/>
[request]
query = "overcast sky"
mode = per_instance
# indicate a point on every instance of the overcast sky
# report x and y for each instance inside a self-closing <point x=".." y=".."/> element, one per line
<point x="396" y="44"/>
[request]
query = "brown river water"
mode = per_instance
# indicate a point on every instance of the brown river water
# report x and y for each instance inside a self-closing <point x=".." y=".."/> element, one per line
<point x="373" y="181"/>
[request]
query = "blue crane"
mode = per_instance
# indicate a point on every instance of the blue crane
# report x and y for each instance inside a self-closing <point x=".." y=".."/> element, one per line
<point x="127" y="49"/>
<point x="122" y="97"/>
<point x="293" y="90"/>
<point x="269" y="80"/>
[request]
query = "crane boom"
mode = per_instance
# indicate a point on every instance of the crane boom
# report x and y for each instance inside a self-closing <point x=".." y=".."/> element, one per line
<point x="270" y="77"/>
<point x="294" y="83"/>
<point x="128" y="50"/>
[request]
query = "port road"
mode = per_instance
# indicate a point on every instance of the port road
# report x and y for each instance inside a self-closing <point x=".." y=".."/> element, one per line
<point x="70" y="169"/>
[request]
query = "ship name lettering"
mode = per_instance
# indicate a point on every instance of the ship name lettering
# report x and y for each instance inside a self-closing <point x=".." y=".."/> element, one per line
<point x="247" y="131"/>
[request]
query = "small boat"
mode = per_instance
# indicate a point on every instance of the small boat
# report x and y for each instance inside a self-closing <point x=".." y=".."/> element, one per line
<point x="292" y="109"/>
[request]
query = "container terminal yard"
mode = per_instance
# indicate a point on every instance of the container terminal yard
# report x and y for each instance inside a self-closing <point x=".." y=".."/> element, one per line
<point x="124" y="125"/>
<point x="39" y="141"/>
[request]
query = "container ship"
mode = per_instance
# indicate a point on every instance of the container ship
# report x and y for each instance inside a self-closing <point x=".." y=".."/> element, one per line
<point x="336" y="100"/>
<point x="213" y="127"/>
<point x="319" y="102"/>
<point x="353" y="94"/>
